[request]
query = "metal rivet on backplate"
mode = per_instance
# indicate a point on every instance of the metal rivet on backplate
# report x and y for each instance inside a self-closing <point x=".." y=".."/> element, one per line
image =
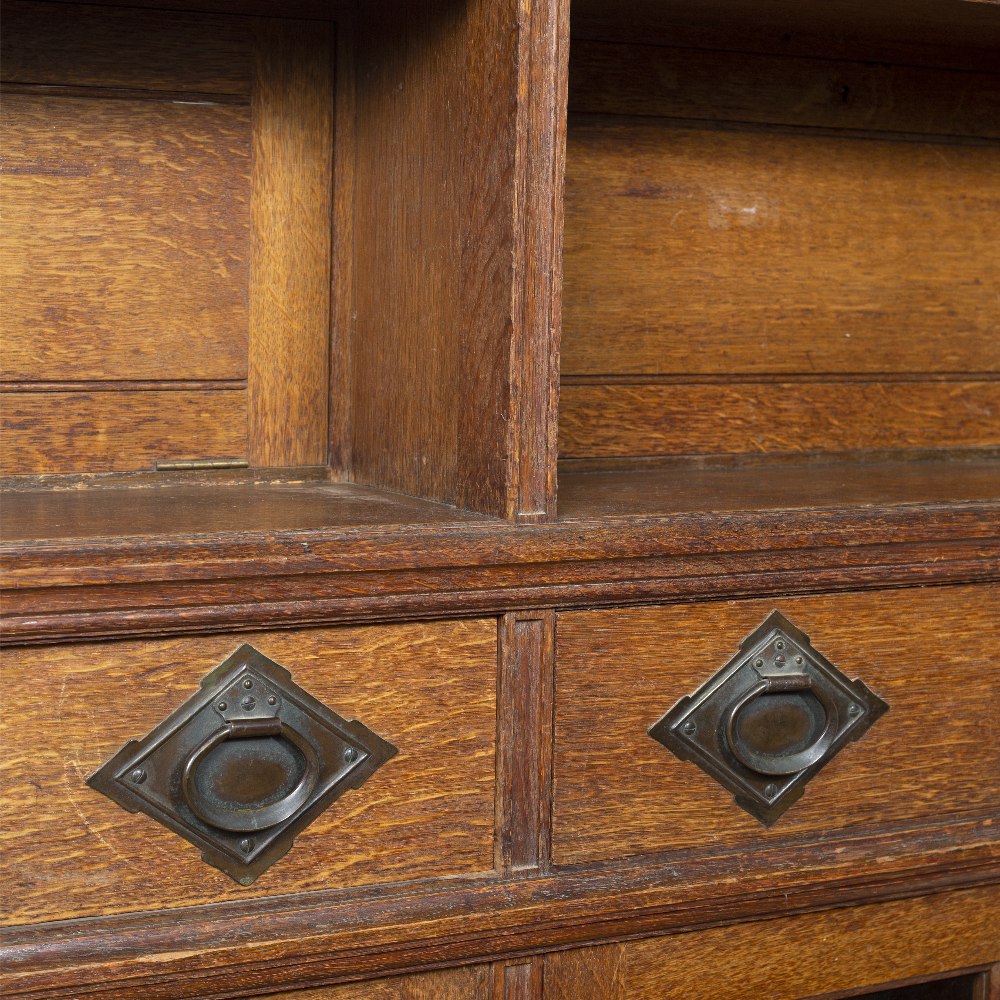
<point x="690" y="728"/>
<point x="350" y="754"/>
<point x="138" y="776"/>
<point x="246" y="845"/>
<point x="770" y="791"/>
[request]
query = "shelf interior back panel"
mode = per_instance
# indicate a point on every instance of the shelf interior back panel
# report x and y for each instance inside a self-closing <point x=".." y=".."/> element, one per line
<point x="166" y="239"/>
<point x="769" y="254"/>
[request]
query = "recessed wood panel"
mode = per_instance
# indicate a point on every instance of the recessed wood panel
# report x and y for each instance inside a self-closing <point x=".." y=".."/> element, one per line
<point x="57" y="432"/>
<point x="60" y="44"/>
<point x="167" y="188"/>
<point x="650" y="80"/>
<point x="928" y="653"/>
<point x="68" y="851"/>
<point x="716" y="250"/>
<point x="621" y="420"/>
<point x="126" y="239"/>
<point x="791" y="958"/>
<point x="946" y="33"/>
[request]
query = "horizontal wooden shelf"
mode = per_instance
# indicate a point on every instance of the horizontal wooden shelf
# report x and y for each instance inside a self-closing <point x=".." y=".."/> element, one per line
<point x="256" y="508"/>
<point x="770" y="486"/>
<point x="139" y="511"/>
<point x="178" y="559"/>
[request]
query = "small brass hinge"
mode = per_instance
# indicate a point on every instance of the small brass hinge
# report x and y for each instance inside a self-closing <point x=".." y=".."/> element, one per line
<point x="185" y="465"/>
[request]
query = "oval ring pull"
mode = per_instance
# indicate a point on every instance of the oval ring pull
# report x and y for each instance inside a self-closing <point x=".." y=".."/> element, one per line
<point x="779" y="763"/>
<point x="246" y="820"/>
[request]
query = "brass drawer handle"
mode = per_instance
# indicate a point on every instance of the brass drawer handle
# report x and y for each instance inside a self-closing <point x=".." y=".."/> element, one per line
<point x="244" y="765"/>
<point x="770" y="719"/>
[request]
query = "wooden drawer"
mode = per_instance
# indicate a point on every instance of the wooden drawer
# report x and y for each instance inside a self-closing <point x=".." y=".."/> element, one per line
<point x="800" y="956"/>
<point x="934" y="758"/>
<point x="67" y="851"/>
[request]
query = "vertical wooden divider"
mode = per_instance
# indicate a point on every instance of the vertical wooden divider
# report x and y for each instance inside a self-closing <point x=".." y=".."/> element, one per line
<point x="342" y="276"/>
<point x="540" y="166"/>
<point x="521" y="979"/>
<point x="457" y="185"/>
<point x="524" y="733"/>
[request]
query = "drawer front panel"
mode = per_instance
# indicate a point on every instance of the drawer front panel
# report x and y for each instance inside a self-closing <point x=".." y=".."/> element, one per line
<point x="930" y="654"/>
<point x="68" y="851"/>
<point x="792" y="957"/>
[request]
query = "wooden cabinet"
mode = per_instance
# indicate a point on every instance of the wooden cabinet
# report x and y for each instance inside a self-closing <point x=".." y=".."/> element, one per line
<point x="495" y="370"/>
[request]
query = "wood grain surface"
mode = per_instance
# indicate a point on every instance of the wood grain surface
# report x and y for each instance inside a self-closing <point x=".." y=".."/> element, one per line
<point x="45" y="432"/>
<point x="909" y="32"/>
<point x="290" y="281"/>
<point x="934" y="756"/>
<point x="69" y="852"/>
<point x="777" y="417"/>
<point x="120" y="561"/>
<point x="775" y="485"/>
<point x="726" y="251"/>
<point x="342" y="311"/>
<point x="82" y="45"/>
<point x="126" y="239"/>
<point x="168" y="188"/>
<point x="519" y="980"/>
<point x="524" y="745"/>
<point x="407" y="251"/>
<point x="295" y="942"/>
<point x="434" y="251"/>
<point x="790" y="958"/>
<point x="650" y="80"/>
<point x="538" y="231"/>
<point x="468" y="983"/>
<point x="490" y="341"/>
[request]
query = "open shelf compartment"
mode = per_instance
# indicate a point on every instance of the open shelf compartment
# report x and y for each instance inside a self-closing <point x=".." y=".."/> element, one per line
<point x="780" y="249"/>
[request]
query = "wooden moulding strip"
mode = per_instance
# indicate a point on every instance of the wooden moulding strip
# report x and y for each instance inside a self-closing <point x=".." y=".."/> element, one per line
<point x="388" y="599"/>
<point x="51" y="605"/>
<point x="63" y="562"/>
<point x="325" y="937"/>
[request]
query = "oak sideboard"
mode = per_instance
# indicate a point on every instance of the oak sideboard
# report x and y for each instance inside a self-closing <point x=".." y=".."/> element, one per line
<point x="501" y="499"/>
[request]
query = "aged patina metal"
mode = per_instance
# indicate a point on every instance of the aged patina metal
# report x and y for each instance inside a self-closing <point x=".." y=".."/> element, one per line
<point x="770" y="719"/>
<point x="250" y="753"/>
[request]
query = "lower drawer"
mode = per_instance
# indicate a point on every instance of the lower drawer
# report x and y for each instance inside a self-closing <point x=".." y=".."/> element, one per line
<point x="930" y="654"/>
<point x="849" y="951"/>
<point x="68" y="851"/>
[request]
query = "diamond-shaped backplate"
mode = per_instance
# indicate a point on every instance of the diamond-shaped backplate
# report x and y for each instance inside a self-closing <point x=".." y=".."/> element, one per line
<point x="770" y="719"/>
<point x="243" y="766"/>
